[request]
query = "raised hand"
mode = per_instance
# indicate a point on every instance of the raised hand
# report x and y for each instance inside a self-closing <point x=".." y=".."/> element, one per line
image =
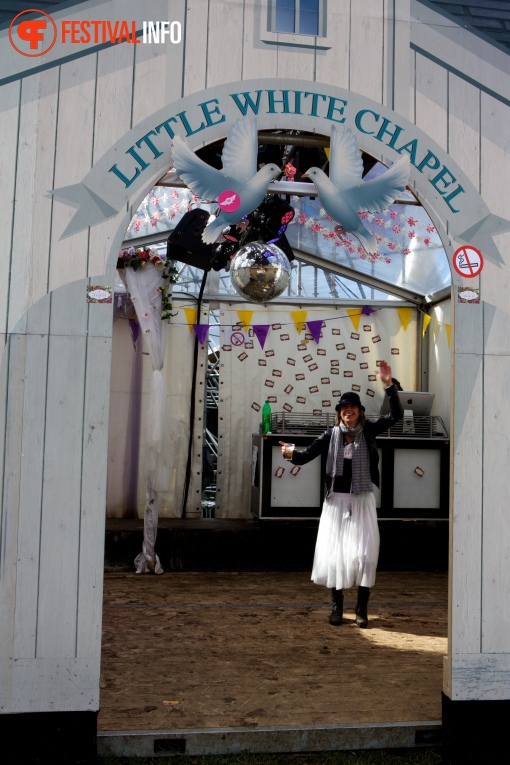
<point x="385" y="373"/>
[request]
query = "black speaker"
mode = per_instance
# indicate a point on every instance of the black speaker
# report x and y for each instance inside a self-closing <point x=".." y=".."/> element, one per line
<point x="185" y="241"/>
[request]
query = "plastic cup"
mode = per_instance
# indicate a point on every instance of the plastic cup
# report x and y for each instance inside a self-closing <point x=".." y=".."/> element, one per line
<point x="289" y="449"/>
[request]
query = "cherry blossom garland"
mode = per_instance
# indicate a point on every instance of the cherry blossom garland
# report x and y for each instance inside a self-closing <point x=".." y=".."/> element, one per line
<point x="169" y="209"/>
<point x="396" y="222"/>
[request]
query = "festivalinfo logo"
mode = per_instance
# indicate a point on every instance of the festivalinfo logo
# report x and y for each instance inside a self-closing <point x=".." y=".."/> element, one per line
<point x="35" y="36"/>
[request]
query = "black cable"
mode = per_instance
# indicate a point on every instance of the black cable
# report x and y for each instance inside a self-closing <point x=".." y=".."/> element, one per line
<point x="187" y="477"/>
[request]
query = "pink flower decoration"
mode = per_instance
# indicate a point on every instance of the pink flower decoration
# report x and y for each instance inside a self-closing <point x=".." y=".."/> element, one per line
<point x="175" y="194"/>
<point x="316" y="228"/>
<point x="379" y="221"/>
<point x="393" y="214"/>
<point x="430" y="228"/>
<point x="411" y="234"/>
<point x="387" y="260"/>
<point x="412" y="221"/>
<point x="290" y="171"/>
<point x="378" y="238"/>
<point x="302" y="218"/>
<point x="154" y="200"/>
<point x="396" y="228"/>
<point x="363" y="215"/>
<point x="137" y="224"/>
<point x="391" y="245"/>
<point x="406" y="252"/>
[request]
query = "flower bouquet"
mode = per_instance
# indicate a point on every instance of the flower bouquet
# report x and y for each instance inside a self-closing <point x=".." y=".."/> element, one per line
<point x="138" y="257"/>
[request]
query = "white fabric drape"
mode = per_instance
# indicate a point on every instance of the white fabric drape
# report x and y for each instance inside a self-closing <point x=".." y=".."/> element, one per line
<point x="144" y="285"/>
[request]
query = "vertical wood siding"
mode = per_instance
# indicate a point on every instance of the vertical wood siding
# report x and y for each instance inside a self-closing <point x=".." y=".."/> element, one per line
<point x="55" y="362"/>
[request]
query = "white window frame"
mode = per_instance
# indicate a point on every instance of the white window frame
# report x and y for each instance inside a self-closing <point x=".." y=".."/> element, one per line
<point x="269" y="36"/>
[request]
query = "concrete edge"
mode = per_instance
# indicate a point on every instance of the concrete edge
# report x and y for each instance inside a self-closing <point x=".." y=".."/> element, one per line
<point x="269" y="739"/>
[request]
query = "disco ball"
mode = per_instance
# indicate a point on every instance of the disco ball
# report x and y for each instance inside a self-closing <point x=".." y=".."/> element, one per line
<point x="260" y="272"/>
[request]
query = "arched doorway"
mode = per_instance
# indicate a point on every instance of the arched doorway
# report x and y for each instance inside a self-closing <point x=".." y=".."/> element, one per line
<point x="78" y="638"/>
<point x="348" y="320"/>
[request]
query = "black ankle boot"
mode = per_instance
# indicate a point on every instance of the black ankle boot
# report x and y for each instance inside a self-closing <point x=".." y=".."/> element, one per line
<point x="337" y="597"/>
<point x="361" y="606"/>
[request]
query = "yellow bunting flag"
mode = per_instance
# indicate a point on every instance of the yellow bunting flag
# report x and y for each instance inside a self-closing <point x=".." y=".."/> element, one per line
<point x="448" y="328"/>
<point x="405" y="316"/>
<point x="426" y="322"/>
<point x="191" y="317"/>
<point x="355" y="314"/>
<point x="299" y="319"/>
<point x="245" y="319"/>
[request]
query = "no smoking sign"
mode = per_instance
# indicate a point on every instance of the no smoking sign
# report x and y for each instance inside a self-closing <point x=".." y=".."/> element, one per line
<point x="468" y="261"/>
<point x="237" y="338"/>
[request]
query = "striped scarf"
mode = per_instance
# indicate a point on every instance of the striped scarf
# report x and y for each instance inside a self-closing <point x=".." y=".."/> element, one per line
<point x="361" y="480"/>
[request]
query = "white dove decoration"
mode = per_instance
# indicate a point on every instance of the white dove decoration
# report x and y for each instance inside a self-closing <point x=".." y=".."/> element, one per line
<point x="344" y="193"/>
<point x="238" y="187"/>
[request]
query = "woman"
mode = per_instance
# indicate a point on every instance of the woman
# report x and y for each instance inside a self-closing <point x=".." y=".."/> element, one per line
<point x="347" y="547"/>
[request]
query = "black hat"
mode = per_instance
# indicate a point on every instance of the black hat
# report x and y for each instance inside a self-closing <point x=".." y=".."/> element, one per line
<point x="349" y="398"/>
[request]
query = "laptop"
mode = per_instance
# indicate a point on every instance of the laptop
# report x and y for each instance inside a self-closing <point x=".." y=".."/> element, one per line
<point x="419" y="402"/>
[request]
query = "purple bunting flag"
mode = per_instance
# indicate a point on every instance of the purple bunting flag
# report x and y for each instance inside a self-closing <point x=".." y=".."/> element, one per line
<point x="366" y="310"/>
<point x="315" y="328"/>
<point x="201" y="331"/>
<point x="261" y="331"/>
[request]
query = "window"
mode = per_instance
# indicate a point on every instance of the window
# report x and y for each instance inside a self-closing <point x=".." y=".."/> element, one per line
<point x="299" y="17"/>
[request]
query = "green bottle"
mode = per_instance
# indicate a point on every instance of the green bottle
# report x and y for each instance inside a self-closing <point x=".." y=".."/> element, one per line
<point x="266" y="418"/>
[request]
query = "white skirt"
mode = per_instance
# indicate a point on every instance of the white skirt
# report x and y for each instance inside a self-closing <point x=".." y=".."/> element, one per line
<point x="347" y="547"/>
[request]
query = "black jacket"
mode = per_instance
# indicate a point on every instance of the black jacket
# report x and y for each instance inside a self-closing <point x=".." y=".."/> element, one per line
<point x="371" y="430"/>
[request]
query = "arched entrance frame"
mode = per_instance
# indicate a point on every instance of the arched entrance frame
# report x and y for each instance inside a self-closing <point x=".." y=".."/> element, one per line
<point x="120" y="179"/>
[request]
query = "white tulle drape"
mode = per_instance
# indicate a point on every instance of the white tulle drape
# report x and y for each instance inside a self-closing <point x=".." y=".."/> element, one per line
<point x="144" y="286"/>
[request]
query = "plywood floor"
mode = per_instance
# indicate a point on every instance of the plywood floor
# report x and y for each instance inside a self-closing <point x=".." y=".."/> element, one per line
<point x="197" y="650"/>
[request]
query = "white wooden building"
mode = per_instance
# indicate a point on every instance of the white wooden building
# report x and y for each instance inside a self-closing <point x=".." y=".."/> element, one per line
<point x="84" y="135"/>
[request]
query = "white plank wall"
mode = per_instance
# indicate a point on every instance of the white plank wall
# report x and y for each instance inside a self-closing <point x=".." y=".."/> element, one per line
<point x="225" y="36"/>
<point x="464" y="126"/>
<point x="468" y="401"/>
<point x="53" y="503"/>
<point x="398" y="88"/>
<point x="73" y="158"/>
<point x="332" y="66"/>
<point x="259" y="58"/>
<point x="9" y="119"/>
<point x="55" y="364"/>
<point x="366" y="43"/>
<point x="93" y="477"/>
<point x="31" y="477"/>
<point x="495" y="167"/>
<point x="431" y="88"/>
<point x="14" y="360"/>
<point x="194" y="55"/>
<point x="60" y="521"/>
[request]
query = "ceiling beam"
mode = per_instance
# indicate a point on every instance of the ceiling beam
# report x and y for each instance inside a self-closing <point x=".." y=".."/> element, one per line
<point x="314" y="260"/>
<point x="369" y="281"/>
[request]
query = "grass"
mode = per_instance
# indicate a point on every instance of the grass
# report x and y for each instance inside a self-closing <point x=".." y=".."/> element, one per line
<point x="365" y="757"/>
